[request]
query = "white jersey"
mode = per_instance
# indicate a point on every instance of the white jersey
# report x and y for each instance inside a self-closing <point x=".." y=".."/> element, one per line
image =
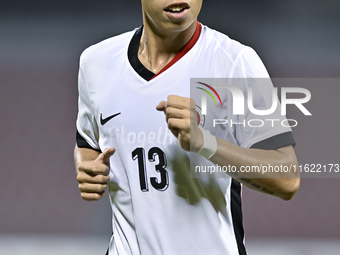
<point x="157" y="208"/>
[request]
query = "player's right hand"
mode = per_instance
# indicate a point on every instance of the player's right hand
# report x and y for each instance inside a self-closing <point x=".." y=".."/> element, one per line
<point x="93" y="176"/>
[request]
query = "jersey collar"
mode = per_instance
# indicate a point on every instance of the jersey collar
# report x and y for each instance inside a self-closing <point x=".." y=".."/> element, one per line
<point x="140" y="68"/>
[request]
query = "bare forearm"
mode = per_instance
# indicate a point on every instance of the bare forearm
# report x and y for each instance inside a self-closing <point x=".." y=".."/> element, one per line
<point x="281" y="184"/>
<point x="181" y="118"/>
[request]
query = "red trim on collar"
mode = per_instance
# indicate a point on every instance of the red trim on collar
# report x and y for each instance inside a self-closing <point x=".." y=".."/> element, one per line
<point x="186" y="48"/>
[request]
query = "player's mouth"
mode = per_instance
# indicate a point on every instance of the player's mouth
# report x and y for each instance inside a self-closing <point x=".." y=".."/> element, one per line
<point x="177" y="11"/>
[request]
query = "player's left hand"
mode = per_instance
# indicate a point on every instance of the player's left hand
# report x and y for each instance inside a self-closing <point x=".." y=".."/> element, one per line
<point x="181" y="117"/>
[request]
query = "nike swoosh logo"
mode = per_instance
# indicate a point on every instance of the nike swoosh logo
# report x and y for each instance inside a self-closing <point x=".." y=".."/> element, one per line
<point x="103" y="121"/>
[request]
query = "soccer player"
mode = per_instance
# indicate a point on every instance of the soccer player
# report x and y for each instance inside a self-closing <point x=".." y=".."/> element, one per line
<point x="135" y="132"/>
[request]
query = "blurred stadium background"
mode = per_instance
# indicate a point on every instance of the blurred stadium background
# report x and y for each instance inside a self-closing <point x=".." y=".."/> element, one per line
<point x="41" y="211"/>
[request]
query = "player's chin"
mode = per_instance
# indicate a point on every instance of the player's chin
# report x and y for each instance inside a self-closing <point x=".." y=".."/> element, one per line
<point x="179" y="25"/>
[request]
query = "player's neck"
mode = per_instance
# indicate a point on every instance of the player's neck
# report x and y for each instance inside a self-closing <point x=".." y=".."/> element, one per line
<point x="158" y="48"/>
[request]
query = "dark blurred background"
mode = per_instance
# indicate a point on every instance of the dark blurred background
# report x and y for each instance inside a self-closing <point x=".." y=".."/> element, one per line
<point x="40" y="45"/>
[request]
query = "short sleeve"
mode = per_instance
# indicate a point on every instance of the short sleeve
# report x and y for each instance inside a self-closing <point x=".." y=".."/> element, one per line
<point x="249" y="65"/>
<point x="86" y="123"/>
<point x="261" y="121"/>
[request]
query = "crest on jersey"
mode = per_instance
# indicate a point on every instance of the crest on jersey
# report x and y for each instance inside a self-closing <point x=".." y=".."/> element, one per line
<point x="200" y="117"/>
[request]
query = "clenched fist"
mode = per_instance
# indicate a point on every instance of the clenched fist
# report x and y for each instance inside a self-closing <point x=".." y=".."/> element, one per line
<point x="181" y="117"/>
<point x="93" y="176"/>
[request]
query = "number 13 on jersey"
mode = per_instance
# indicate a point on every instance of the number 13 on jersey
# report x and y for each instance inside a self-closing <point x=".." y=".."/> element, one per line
<point x="160" y="183"/>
